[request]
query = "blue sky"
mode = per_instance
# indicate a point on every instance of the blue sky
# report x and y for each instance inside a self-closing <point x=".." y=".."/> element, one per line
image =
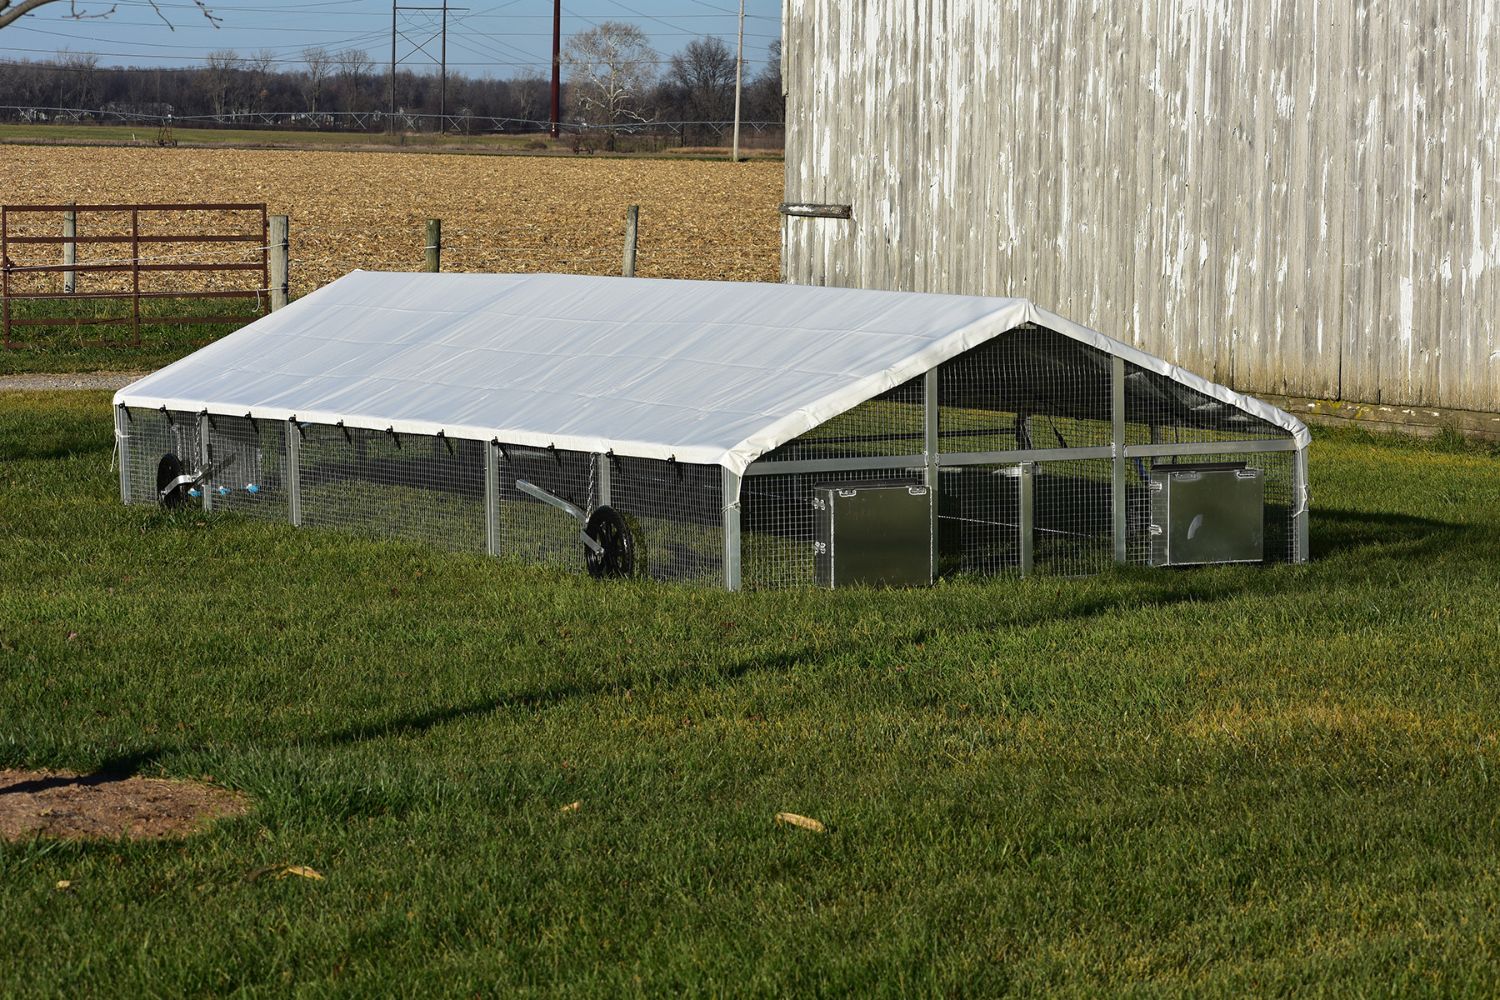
<point x="500" y="38"/>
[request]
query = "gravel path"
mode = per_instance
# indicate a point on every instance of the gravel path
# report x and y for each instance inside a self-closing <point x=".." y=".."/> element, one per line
<point x="69" y="380"/>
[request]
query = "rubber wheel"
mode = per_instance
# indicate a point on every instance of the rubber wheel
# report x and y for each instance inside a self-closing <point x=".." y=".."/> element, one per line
<point x="168" y="469"/>
<point x="609" y="528"/>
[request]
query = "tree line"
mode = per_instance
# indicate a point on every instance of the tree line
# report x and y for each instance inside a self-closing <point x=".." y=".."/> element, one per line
<point x="613" y="79"/>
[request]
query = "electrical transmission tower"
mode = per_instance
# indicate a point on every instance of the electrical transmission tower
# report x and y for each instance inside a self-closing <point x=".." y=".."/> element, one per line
<point x="419" y="43"/>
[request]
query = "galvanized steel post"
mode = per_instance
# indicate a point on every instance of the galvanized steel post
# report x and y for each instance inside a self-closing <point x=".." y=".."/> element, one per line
<point x="731" y="501"/>
<point x="122" y="444"/>
<point x="1026" y="474"/>
<point x="205" y="455"/>
<point x="930" y="460"/>
<point x="492" y="498"/>
<point x="1301" y="497"/>
<point x="1117" y="439"/>
<point x="294" y="472"/>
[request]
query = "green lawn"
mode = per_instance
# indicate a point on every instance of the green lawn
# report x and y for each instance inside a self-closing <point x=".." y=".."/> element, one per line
<point x="107" y="346"/>
<point x="1219" y="781"/>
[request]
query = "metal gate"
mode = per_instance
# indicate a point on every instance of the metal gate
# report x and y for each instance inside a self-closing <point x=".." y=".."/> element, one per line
<point x="237" y="230"/>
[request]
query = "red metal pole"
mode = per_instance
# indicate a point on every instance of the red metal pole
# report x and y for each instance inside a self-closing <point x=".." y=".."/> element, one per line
<point x="556" y="67"/>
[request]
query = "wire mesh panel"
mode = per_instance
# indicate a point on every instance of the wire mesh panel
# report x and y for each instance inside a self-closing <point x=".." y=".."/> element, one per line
<point x="1160" y="410"/>
<point x="888" y="424"/>
<point x="979" y="519"/>
<point x="427" y="489"/>
<point x="1029" y="388"/>
<point x="249" y="466"/>
<point x="778" y="523"/>
<point x="151" y="434"/>
<point x="533" y="530"/>
<point x="677" y="510"/>
<point x="1072" y="517"/>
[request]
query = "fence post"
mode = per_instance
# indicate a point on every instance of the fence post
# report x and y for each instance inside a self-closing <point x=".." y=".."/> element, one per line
<point x="280" y="246"/>
<point x="70" y="249"/>
<point x="434" y="245"/>
<point x="632" y="225"/>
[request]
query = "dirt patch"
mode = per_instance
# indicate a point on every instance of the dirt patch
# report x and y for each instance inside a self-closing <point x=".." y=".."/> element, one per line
<point x="58" y="804"/>
<point x="69" y="380"/>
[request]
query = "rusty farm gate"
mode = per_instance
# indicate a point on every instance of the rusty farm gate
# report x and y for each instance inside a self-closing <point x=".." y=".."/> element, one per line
<point x="122" y="268"/>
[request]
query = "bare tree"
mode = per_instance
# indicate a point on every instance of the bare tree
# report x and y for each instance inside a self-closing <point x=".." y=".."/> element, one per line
<point x="261" y="64"/>
<point x="11" y="11"/>
<point x="530" y="91"/>
<point x="354" y="65"/>
<point x="81" y="74"/>
<point x="219" y="70"/>
<point x="319" y="65"/>
<point x="610" y="68"/>
<point x="702" y="74"/>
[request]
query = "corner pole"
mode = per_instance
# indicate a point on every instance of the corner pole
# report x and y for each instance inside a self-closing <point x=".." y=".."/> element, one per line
<point x="1301" y="497"/>
<point x="492" y="498"/>
<point x="294" y="472"/>
<point x="731" y="500"/>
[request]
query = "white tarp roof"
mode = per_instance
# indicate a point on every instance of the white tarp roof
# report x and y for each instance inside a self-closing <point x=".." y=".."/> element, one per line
<point x="711" y="372"/>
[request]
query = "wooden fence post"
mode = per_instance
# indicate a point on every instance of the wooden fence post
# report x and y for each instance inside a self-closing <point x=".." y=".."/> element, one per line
<point x="434" y="245"/>
<point x="632" y="224"/>
<point x="70" y="249"/>
<point x="280" y="245"/>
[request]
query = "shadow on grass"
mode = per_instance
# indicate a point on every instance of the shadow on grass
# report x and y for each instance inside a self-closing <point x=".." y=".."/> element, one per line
<point x="1398" y="542"/>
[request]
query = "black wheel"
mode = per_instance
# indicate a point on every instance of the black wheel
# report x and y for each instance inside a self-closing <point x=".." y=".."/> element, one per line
<point x="611" y="530"/>
<point x="168" y="469"/>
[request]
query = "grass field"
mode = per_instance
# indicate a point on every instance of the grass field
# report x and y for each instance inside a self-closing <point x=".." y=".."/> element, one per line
<point x="1221" y="781"/>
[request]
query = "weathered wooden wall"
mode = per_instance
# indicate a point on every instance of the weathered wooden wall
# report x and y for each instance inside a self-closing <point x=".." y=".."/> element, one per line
<point x="1288" y="196"/>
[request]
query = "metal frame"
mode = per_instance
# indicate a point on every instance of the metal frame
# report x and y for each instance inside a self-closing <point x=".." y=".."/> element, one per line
<point x="205" y="457"/>
<point x="1118" y="500"/>
<point x="1301" y="498"/>
<point x="930" y="445"/>
<point x="731" y="498"/>
<point x="816" y="465"/>
<point x="122" y="442"/>
<point x="492" y="498"/>
<point x="1028" y="515"/>
<point x="294" y="472"/>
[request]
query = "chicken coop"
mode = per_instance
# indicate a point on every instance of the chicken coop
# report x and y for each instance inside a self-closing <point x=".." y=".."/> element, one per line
<point x="728" y="434"/>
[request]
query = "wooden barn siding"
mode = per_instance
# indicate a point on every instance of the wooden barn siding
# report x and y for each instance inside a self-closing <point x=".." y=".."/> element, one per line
<point x="1285" y="195"/>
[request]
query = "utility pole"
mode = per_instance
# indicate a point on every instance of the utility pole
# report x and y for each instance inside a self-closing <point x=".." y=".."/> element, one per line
<point x="556" y="68"/>
<point x="421" y="46"/>
<point x="443" y="87"/>
<point x="392" y="118"/>
<point x="739" y="78"/>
